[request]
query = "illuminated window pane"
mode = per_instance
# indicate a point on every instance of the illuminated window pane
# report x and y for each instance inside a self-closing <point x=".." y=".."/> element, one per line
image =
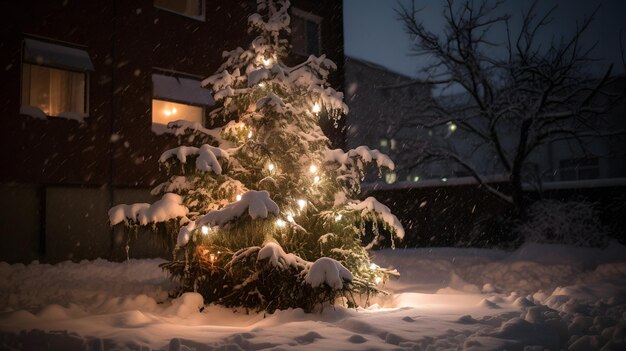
<point x="164" y="112"/>
<point x="53" y="90"/>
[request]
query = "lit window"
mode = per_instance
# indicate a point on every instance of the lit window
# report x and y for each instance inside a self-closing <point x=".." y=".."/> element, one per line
<point x="190" y="8"/>
<point x="54" y="79"/>
<point x="177" y="97"/>
<point x="305" y="32"/>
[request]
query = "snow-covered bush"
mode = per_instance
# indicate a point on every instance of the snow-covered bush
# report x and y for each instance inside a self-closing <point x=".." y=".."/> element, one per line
<point x="563" y="222"/>
<point x="267" y="215"/>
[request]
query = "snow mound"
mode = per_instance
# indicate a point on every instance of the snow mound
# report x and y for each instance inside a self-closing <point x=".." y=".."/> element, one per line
<point x="328" y="271"/>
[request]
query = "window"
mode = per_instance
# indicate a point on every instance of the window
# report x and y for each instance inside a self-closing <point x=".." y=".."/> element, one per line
<point x="54" y="79"/>
<point x="305" y="32"/>
<point x="579" y="168"/>
<point x="177" y="97"/>
<point x="190" y="8"/>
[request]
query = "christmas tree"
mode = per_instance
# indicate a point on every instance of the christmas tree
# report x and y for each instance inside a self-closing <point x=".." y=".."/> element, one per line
<point x="266" y="214"/>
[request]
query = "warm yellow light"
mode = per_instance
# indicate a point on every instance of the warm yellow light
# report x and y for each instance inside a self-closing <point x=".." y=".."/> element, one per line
<point x="250" y="135"/>
<point x="270" y="167"/>
<point x="212" y="258"/>
<point x="451" y="127"/>
<point x="338" y="217"/>
<point x="302" y="204"/>
<point x="205" y="229"/>
<point x="316" y="179"/>
<point x="174" y="110"/>
<point x="374" y="266"/>
<point x="280" y="223"/>
<point x="313" y="169"/>
<point x="289" y="218"/>
<point x="262" y="85"/>
<point x="167" y="112"/>
<point x="267" y="62"/>
<point x="238" y="197"/>
<point x="378" y="280"/>
<point x="316" y="108"/>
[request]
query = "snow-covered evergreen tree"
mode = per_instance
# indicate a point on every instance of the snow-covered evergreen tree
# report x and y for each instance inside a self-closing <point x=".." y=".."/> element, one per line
<point x="266" y="215"/>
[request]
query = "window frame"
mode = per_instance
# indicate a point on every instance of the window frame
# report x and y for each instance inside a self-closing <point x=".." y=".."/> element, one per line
<point x="201" y="17"/>
<point x="309" y="16"/>
<point x="23" y="60"/>
<point x="576" y="167"/>
<point x="176" y="74"/>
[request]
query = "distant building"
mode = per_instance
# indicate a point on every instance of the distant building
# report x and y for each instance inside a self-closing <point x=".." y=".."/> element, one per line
<point x="87" y="88"/>
<point x="380" y="104"/>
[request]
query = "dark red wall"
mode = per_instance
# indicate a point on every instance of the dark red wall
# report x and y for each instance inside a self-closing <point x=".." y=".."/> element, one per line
<point x="125" y="40"/>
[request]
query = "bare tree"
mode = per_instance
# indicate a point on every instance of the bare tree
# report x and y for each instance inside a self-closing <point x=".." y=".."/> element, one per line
<point x="514" y="102"/>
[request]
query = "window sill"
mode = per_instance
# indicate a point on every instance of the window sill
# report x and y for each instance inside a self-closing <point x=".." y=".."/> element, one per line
<point x="37" y="113"/>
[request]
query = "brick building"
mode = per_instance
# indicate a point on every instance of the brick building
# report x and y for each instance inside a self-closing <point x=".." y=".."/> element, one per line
<point x="87" y="87"/>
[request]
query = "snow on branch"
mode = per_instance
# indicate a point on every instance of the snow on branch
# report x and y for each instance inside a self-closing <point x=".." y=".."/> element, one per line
<point x="328" y="271"/>
<point x="258" y="204"/>
<point x="169" y="207"/>
<point x="207" y="156"/>
<point x="180" y="127"/>
<point x="372" y="206"/>
<point x="279" y="258"/>
<point x="355" y="159"/>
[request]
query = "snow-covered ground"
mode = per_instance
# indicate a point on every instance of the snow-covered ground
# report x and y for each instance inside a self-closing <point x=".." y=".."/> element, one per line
<point x="538" y="297"/>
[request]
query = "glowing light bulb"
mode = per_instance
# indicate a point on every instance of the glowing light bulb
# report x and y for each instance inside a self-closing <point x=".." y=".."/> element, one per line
<point x="205" y="229"/>
<point x="374" y="266"/>
<point x="238" y="197"/>
<point x="444" y="179"/>
<point x="313" y="169"/>
<point x="167" y="112"/>
<point x="250" y="135"/>
<point x="267" y="62"/>
<point x="270" y="167"/>
<point x="316" y="179"/>
<point x="451" y="127"/>
<point x="316" y="108"/>
<point x="338" y="217"/>
<point x="174" y="110"/>
<point x="378" y="280"/>
<point x="262" y="85"/>
<point x="289" y="218"/>
<point x="280" y="223"/>
<point x="212" y="258"/>
<point x="301" y="204"/>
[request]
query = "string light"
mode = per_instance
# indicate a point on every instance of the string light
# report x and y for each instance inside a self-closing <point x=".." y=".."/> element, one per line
<point x="378" y="280"/>
<point x="313" y="169"/>
<point x="338" y="217"/>
<point x="250" y="135"/>
<point x="301" y="204"/>
<point x="374" y="266"/>
<point x="316" y="179"/>
<point x="267" y="62"/>
<point x="270" y="167"/>
<point x="289" y="218"/>
<point x="262" y="85"/>
<point x="316" y="108"/>
<point x="280" y="223"/>
<point x="238" y="197"/>
<point x="451" y="127"/>
<point x="205" y="229"/>
<point x="212" y="257"/>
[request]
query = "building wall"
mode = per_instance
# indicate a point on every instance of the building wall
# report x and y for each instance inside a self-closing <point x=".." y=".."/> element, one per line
<point x="60" y="176"/>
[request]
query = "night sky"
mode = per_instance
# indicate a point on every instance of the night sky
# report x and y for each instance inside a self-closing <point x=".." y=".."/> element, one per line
<point x="373" y="32"/>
